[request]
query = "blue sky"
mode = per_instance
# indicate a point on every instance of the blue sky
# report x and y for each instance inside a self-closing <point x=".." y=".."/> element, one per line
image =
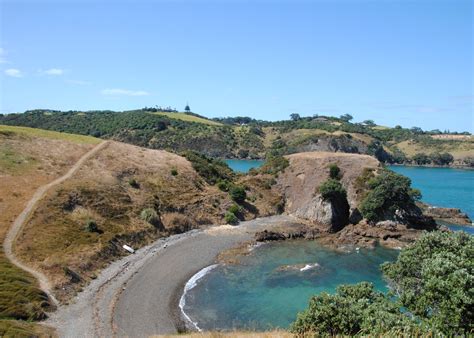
<point x="396" y="62"/>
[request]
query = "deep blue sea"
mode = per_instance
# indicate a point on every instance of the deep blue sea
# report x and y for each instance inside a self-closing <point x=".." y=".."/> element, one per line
<point x="263" y="292"/>
<point x="443" y="187"/>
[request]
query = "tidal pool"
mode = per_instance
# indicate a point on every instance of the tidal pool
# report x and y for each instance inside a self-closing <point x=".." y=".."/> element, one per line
<point x="275" y="281"/>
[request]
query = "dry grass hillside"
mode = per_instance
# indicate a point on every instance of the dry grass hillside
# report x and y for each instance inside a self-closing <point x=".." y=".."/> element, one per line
<point x="123" y="195"/>
<point x="29" y="158"/>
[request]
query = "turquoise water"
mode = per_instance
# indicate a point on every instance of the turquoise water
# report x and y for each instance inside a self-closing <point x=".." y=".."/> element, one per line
<point x="243" y="166"/>
<point x="257" y="295"/>
<point x="443" y="187"/>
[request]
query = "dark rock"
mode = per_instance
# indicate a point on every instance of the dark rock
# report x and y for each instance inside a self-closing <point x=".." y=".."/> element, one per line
<point x="265" y="235"/>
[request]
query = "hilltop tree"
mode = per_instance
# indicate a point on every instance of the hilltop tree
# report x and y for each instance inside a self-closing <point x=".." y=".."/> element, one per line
<point x="295" y="117"/>
<point x="369" y="123"/>
<point x="346" y="117"/>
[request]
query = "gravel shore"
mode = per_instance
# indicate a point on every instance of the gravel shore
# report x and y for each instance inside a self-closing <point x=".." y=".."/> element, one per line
<point x="138" y="295"/>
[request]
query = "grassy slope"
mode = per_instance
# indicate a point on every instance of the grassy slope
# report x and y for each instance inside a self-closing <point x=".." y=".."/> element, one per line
<point x="459" y="149"/>
<point x="188" y="118"/>
<point x="29" y="158"/>
<point x="34" y="132"/>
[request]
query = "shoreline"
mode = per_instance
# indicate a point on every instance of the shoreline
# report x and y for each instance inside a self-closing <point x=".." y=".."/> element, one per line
<point x="138" y="295"/>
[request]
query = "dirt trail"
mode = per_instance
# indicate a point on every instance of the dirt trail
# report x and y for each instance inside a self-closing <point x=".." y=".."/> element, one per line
<point x="25" y="214"/>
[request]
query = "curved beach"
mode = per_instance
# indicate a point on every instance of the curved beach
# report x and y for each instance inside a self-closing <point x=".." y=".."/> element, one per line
<point x="150" y="302"/>
<point x="138" y="296"/>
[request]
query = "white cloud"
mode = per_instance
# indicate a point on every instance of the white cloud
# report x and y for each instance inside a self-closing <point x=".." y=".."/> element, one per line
<point x="79" y="82"/>
<point x="13" y="72"/>
<point x="123" y="92"/>
<point x="53" y="71"/>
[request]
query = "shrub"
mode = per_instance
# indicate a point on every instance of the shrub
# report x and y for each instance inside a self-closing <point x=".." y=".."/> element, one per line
<point x="354" y="309"/>
<point x="332" y="190"/>
<point x="150" y="215"/>
<point x="224" y="185"/>
<point x="235" y="209"/>
<point x="212" y="170"/>
<point x="388" y="192"/>
<point x="334" y="171"/>
<point x="133" y="183"/>
<point x="238" y="194"/>
<point x="174" y="172"/>
<point x="91" y="226"/>
<point x="230" y="218"/>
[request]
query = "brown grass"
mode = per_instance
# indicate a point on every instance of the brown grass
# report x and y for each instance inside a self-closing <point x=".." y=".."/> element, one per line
<point x="28" y="160"/>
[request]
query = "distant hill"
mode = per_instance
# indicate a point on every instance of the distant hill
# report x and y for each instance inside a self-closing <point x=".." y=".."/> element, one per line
<point x="244" y="137"/>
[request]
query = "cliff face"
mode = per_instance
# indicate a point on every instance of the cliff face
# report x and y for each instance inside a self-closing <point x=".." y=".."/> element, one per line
<point x="300" y="184"/>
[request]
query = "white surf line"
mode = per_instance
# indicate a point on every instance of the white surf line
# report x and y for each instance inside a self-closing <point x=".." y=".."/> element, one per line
<point x="192" y="282"/>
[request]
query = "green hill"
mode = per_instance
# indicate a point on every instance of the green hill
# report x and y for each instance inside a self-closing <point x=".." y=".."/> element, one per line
<point x="244" y="137"/>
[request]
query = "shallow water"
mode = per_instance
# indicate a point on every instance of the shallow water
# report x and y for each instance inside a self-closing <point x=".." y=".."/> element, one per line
<point x="243" y="166"/>
<point x="261" y="293"/>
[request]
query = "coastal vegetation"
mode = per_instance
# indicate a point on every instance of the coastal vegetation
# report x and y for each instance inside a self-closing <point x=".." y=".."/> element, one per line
<point x="386" y="193"/>
<point x="244" y="137"/>
<point x="431" y="283"/>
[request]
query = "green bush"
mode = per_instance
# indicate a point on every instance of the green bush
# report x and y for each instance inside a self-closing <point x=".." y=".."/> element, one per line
<point x="434" y="279"/>
<point x="230" y="218"/>
<point x="238" y="194"/>
<point x="212" y="170"/>
<point x="332" y="190"/>
<point x="235" y="209"/>
<point x="150" y="215"/>
<point x="91" y="226"/>
<point x="388" y="192"/>
<point x="133" y="183"/>
<point x="174" y="172"/>
<point x="334" y="171"/>
<point x="354" y="309"/>
<point x="224" y="185"/>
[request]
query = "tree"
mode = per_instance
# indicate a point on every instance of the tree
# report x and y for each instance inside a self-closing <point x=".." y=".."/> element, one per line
<point x="369" y="123"/>
<point x="421" y="159"/>
<point x="346" y="117"/>
<point x="434" y="279"/>
<point x="416" y="130"/>
<point x="388" y="192"/>
<point x="442" y="158"/>
<point x="295" y="117"/>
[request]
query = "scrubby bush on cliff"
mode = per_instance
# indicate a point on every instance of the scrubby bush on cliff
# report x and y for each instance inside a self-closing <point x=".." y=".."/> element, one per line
<point x="212" y="170"/>
<point x="434" y="279"/>
<point x="91" y="226"/>
<point x="332" y="190"/>
<point x="238" y="194"/>
<point x="334" y="171"/>
<point x="150" y="215"/>
<point x="388" y="192"/>
<point x="230" y="218"/>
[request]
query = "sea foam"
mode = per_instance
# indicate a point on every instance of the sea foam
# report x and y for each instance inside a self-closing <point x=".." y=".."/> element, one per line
<point x="192" y="282"/>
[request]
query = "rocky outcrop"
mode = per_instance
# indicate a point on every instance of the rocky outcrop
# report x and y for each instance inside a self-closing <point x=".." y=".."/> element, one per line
<point x="448" y="215"/>
<point x="300" y="182"/>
